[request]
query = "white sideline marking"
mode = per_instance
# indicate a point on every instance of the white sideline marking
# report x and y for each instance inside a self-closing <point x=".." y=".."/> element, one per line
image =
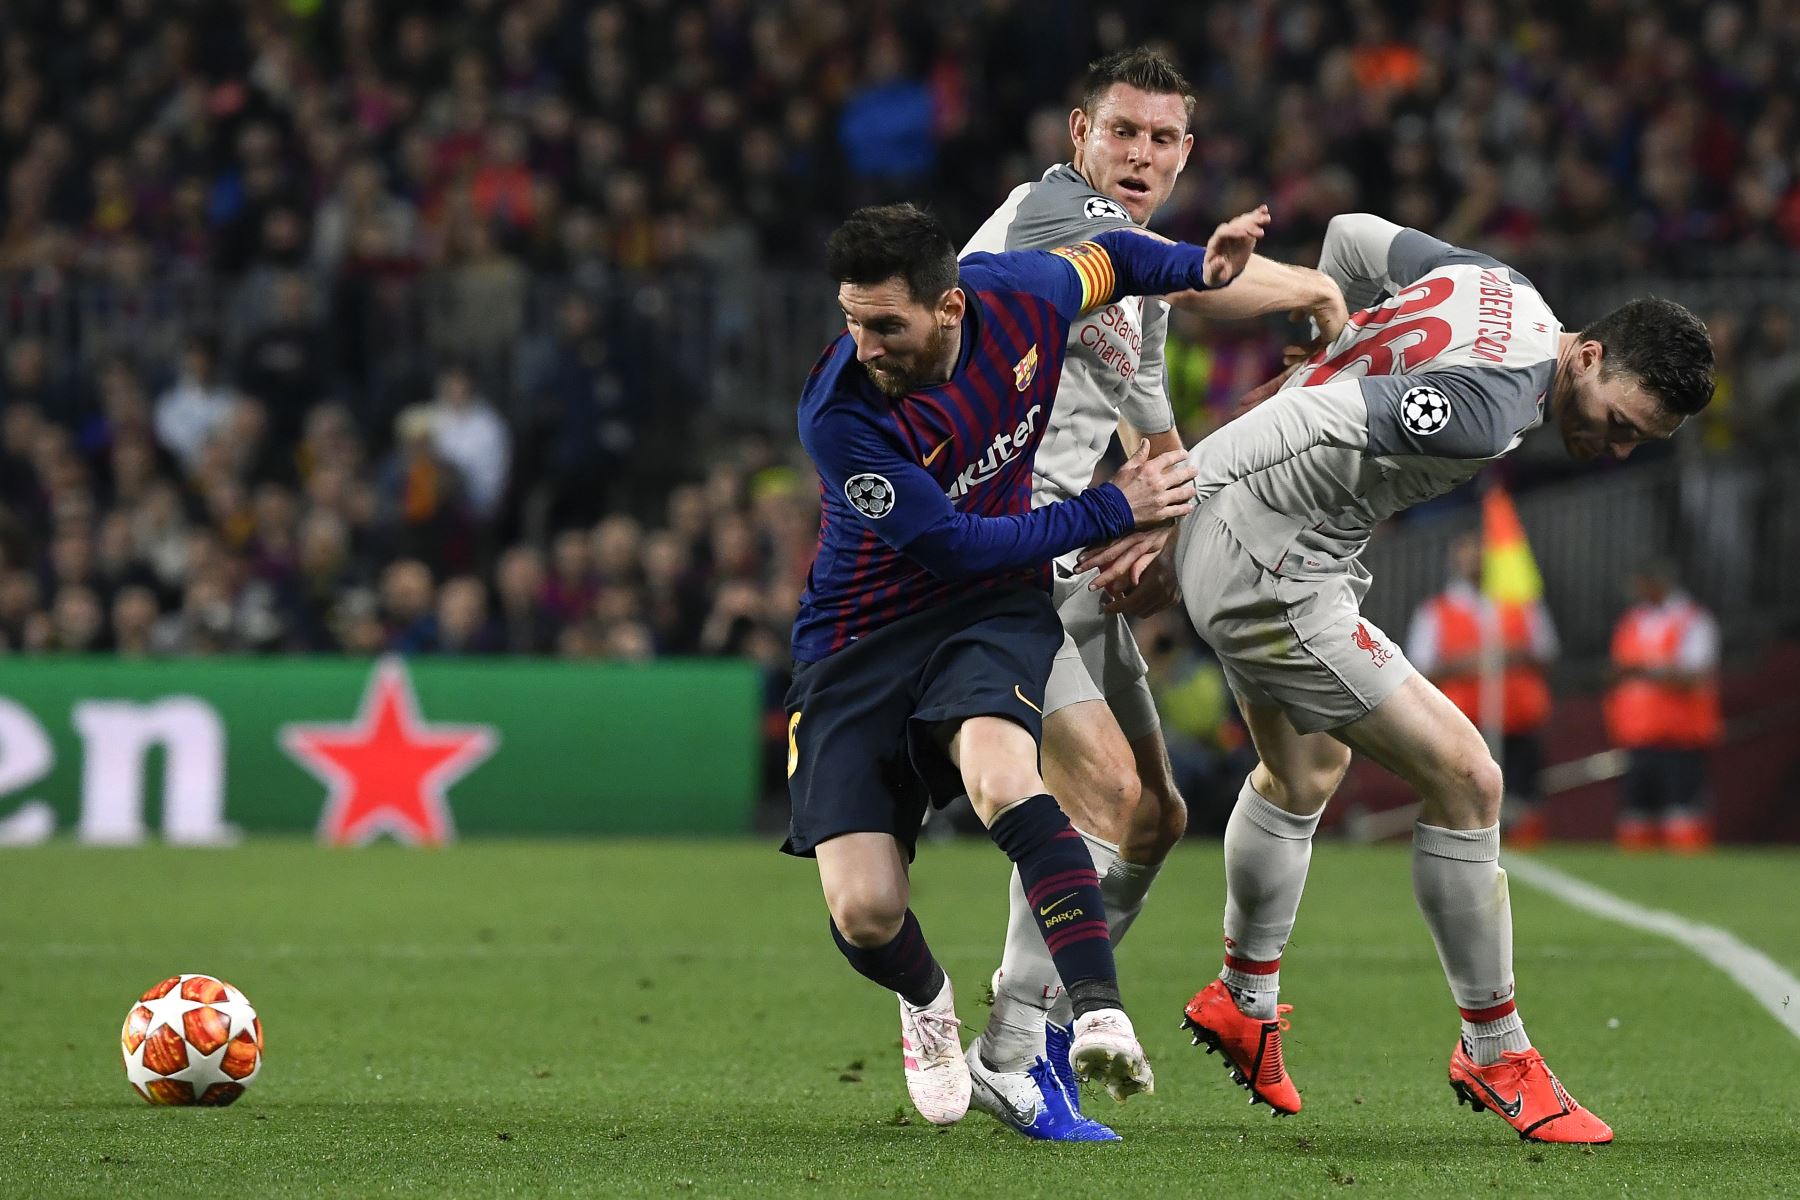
<point x="1768" y="982"/>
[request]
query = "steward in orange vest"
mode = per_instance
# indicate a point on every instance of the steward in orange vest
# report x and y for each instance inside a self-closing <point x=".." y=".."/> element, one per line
<point x="1664" y="709"/>
<point x="1665" y="657"/>
<point x="1445" y="644"/>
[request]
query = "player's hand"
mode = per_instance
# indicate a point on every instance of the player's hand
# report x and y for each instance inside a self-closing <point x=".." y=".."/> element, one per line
<point x="1263" y="391"/>
<point x="1158" y="587"/>
<point x="1158" y="489"/>
<point x="1232" y="244"/>
<point x="1122" y="562"/>
<point x="1328" y="311"/>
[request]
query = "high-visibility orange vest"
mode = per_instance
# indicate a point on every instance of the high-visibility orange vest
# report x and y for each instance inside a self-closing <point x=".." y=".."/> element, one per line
<point x="1643" y="712"/>
<point x="1524" y="696"/>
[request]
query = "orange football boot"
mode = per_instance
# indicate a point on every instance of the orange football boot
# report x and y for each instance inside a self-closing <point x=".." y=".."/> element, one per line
<point x="1688" y="833"/>
<point x="1527" y="832"/>
<point x="1526" y="1095"/>
<point x="1252" y="1048"/>
<point x="1636" y="834"/>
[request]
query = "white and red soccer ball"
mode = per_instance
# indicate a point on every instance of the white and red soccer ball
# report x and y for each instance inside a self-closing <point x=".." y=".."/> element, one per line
<point x="192" y="1039"/>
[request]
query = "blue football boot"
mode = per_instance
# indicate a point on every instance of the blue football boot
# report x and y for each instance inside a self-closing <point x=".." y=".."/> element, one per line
<point x="1032" y="1103"/>
<point x="1057" y="1039"/>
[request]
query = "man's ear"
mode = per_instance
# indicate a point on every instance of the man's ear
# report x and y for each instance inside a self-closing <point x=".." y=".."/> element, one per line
<point x="1593" y="354"/>
<point x="1078" y="128"/>
<point x="952" y="308"/>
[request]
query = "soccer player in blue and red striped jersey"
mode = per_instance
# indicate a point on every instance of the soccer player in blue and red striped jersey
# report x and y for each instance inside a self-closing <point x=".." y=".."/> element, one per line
<point x="926" y="633"/>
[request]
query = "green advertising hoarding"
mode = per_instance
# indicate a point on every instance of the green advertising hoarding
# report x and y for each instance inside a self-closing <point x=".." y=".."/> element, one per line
<point x="424" y="750"/>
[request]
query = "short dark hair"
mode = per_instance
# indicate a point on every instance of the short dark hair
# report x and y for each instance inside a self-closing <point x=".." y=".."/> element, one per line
<point x="1663" y="346"/>
<point x="888" y="241"/>
<point x="1142" y="68"/>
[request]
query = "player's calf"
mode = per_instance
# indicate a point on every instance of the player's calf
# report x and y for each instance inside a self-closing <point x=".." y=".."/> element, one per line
<point x="1063" y="891"/>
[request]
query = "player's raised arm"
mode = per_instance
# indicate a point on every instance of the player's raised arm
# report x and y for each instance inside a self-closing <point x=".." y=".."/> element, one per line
<point x="1265" y="286"/>
<point x="1107" y="267"/>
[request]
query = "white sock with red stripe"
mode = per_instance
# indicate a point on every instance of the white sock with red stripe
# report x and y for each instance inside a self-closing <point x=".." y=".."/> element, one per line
<point x="1255" y="986"/>
<point x="1491" y="1032"/>
<point x="1461" y="891"/>
<point x="1267" y="852"/>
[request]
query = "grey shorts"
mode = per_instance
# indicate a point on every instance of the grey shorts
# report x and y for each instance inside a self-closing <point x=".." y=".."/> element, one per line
<point x="1292" y="638"/>
<point x="1099" y="659"/>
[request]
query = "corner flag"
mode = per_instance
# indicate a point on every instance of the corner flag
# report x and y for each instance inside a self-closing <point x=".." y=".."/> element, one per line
<point x="1509" y="575"/>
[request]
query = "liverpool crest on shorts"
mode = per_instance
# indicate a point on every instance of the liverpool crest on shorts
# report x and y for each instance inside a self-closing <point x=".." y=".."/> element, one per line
<point x="1025" y="370"/>
<point x="1366" y="641"/>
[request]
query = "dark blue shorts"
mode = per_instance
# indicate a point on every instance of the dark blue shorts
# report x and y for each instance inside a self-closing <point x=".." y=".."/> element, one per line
<point x="867" y="737"/>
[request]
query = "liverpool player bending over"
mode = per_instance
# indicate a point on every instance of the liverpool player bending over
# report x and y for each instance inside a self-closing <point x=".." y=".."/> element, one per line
<point x="1456" y="357"/>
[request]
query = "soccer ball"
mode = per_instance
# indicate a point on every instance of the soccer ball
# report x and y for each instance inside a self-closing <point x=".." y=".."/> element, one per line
<point x="192" y="1039"/>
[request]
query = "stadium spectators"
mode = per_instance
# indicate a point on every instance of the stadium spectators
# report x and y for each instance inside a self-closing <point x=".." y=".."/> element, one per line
<point x="296" y="296"/>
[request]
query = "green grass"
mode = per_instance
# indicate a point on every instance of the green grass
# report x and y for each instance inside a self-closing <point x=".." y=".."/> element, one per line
<point x="640" y="1018"/>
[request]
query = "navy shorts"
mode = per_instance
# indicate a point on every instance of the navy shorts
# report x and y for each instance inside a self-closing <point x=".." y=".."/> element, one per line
<point x="867" y="751"/>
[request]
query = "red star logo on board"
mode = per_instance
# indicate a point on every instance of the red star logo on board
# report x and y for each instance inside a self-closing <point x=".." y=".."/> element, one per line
<point x="388" y="770"/>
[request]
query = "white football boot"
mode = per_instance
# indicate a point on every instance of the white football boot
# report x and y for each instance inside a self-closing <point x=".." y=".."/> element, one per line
<point x="937" y="1078"/>
<point x="1106" y="1050"/>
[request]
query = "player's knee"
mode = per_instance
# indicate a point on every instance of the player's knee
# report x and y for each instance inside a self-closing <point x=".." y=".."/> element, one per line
<point x="1101" y="795"/>
<point x="1159" y="823"/>
<point x="867" y="916"/>
<point x="1484" y="785"/>
<point x="994" y="786"/>
<point x="1328" y="773"/>
<point x="1304" y="788"/>
<point x="1468" y="792"/>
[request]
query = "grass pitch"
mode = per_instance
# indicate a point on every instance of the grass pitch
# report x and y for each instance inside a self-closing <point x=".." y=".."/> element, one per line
<point x="651" y="1018"/>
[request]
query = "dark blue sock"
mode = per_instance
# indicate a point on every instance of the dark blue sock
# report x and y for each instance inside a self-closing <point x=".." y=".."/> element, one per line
<point x="1064" y="893"/>
<point x="904" y="965"/>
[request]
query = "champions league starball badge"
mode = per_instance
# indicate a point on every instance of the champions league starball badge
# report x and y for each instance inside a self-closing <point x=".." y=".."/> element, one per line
<point x="1424" y="410"/>
<point x="870" y="494"/>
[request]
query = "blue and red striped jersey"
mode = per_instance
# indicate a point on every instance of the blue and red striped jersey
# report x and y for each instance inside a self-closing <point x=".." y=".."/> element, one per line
<point x="926" y="498"/>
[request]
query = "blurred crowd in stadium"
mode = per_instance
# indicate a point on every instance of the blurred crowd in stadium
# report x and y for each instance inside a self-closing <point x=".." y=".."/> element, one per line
<point x="467" y="180"/>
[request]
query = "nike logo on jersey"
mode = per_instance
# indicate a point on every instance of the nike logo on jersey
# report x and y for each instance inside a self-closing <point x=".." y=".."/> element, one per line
<point x="1056" y="904"/>
<point x="1027" y="703"/>
<point x="937" y="450"/>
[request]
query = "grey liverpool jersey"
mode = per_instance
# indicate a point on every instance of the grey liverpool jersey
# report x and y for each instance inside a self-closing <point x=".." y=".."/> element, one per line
<point x="1115" y="364"/>
<point x="1446" y="369"/>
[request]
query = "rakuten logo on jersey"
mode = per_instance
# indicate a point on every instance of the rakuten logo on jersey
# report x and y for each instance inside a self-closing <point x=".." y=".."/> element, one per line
<point x="1003" y="449"/>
